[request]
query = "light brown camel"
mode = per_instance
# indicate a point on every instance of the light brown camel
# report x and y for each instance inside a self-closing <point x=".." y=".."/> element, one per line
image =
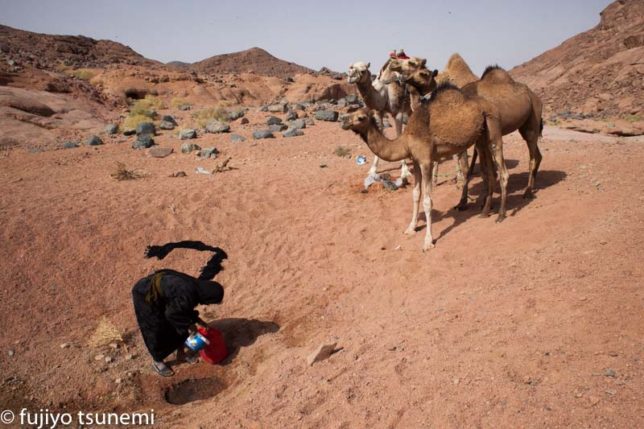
<point x="382" y="96"/>
<point x="456" y="72"/>
<point x="426" y="82"/>
<point x="448" y="123"/>
<point x="518" y="108"/>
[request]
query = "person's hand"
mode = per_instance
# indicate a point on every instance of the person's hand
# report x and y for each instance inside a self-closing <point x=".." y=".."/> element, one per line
<point x="192" y="329"/>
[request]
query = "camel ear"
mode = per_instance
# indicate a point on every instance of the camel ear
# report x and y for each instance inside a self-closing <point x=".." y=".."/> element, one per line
<point x="435" y="73"/>
<point x="423" y="62"/>
<point x="368" y="65"/>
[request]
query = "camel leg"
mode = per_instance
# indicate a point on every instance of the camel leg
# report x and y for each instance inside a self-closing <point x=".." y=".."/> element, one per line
<point x="496" y="144"/>
<point x="373" y="170"/>
<point x="404" y="169"/>
<point x="487" y="173"/>
<point x="427" y="203"/>
<point x="411" y="229"/>
<point x="530" y="133"/>
<point x="470" y="171"/>
<point x="464" y="177"/>
<point x="435" y="174"/>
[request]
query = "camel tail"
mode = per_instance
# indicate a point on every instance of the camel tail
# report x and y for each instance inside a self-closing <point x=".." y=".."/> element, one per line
<point x="541" y="127"/>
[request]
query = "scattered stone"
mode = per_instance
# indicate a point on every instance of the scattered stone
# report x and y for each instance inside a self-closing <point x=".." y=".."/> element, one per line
<point x="114" y="346"/>
<point x="184" y="107"/>
<point x="291" y="115"/>
<point x="216" y="127"/>
<point x="111" y="129"/>
<point x="351" y="99"/>
<point x="244" y="121"/>
<point x="277" y="128"/>
<point x="263" y="134"/>
<point x="145" y="128"/>
<point x="263" y="109"/>
<point x="94" y="141"/>
<point x="292" y="132"/>
<point x="236" y="114"/>
<point x="131" y="356"/>
<point x="278" y="108"/>
<point x="143" y="142"/>
<point x="179" y="174"/>
<point x="324" y="351"/>
<point x="11" y="353"/>
<point x="166" y="125"/>
<point x="64" y="346"/>
<point x="108" y="359"/>
<point x="273" y="120"/>
<point x="99" y="357"/>
<point x="236" y="138"/>
<point x="189" y="147"/>
<point x="187" y="134"/>
<point x="309" y="122"/>
<point x="160" y="152"/>
<point x="118" y="380"/>
<point x="70" y="145"/>
<point x="209" y="152"/>
<point x="298" y="124"/>
<point x="610" y="372"/>
<point x="323" y="165"/>
<point x="297" y="106"/>
<point x="201" y="170"/>
<point x="169" y="118"/>
<point x="129" y="132"/>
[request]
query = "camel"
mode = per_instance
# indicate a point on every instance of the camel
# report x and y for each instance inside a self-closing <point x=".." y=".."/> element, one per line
<point x="456" y="72"/>
<point x="518" y="107"/>
<point x="447" y="124"/>
<point x="384" y="95"/>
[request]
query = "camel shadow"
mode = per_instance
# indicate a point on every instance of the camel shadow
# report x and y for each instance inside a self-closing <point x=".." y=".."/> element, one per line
<point x="240" y="333"/>
<point x="515" y="200"/>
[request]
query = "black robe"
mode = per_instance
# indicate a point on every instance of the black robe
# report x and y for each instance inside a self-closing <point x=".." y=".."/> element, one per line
<point x="164" y="314"/>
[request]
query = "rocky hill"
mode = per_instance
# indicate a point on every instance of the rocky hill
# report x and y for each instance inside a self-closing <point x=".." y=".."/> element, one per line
<point x="45" y="51"/>
<point x="598" y="73"/>
<point x="255" y="60"/>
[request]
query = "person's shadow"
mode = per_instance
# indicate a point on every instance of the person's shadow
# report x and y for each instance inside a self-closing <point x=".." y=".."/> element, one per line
<point x="240" y="333"/>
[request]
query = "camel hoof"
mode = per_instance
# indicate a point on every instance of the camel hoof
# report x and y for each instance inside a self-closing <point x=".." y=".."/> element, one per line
<point x="500" y="218"/>
<point x="410" y="231"/>
<point x="528" y="195"/>
<point x="461" y="207"/>
<point x="428" y="246"/>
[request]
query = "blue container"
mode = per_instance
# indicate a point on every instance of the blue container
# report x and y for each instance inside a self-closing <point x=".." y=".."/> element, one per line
<point x="361" y="160"/>
<point x="196" y="342"/>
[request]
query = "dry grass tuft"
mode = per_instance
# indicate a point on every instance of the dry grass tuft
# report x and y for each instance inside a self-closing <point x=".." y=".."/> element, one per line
<point x="122" y="173"/>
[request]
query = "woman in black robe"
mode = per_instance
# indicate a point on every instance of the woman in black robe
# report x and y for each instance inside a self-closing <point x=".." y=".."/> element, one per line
<point x="164" y="303"/>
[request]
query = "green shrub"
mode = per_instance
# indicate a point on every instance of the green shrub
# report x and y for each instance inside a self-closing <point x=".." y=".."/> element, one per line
<point x="83" y="74"/>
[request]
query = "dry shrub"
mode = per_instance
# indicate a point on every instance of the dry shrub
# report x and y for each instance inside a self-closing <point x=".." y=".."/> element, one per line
<point x="83" y="74"/>
<point x="204" y="116"/>
<point x="342" y="152"/>
<point x="122" y="173"/>
<point x="105" y="334"/>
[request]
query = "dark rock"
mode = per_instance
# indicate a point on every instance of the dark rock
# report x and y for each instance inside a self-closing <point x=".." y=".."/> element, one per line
<point x="309" y="122"/>
<point x="236" y="138"/>
<point x="263" y="134"/>
<point x="145" y="128"/>
<point x="143" y="141"/>
<point x="292" y="132"/>
<point x="187" y="133"/>
<point x="111" y="129"/>
<point x="298" y="124"/>
<point x="169" y="118"/>
<point x="277" y="128"/>
<point x="297" y="106"/>
<point x="94" y="141"/>
<point x="326" y="115"/>
<point x="160" y="152"/>
<point x="70" y="145"/>
<point x="263" y="109"/>
<point x="216" y="127"/>
<point x="189" y="147"/>
<point x="273" y="120"/>
<point x="278" y="108"/>
<point x="166" y="125"/>
<point x="235" y="114"/>
<point x="291" y="115"/>
<point x="208" y="152"/>
<point x="244" y="121"/>
<point x="129" y="132"/>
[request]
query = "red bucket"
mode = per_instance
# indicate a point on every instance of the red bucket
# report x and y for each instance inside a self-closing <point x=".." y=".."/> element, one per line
<point x="216" y="351"/>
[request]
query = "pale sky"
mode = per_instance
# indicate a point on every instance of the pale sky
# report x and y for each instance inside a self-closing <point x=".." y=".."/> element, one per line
<point x="321" y="33"/>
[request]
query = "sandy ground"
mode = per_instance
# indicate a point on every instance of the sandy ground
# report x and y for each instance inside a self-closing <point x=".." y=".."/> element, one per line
<point x="534" y="322"/>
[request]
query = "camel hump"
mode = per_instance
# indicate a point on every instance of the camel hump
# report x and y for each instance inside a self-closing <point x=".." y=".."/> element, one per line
<point x="457" y="71"/>
<point x="446" y="92"/>
<point x="454" y="118"/>
<point x="496" y="74"/>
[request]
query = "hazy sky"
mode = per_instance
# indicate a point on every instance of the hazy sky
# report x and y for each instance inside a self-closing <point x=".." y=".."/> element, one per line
<point x="320" y="33"/>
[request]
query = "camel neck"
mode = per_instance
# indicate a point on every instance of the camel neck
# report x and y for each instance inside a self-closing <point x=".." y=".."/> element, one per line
<point x="371" y="97"/>
<point x="384" y="148"/>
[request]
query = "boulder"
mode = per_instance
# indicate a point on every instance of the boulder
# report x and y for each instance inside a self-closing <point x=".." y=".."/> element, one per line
<point x="111" y="129"/>
<point x="143" y="141"/>
<point x="145" y="128"/>
<point x="236" y="114"/>
<point x="273" y="120"/>
<point x="351" y="99"/>
<point x="291" y="115"/>
<point x="160" y="152"/>
<point x="94" y="141"/>
<point x="166" y="125"/>
<point x="278" y="108"/>
<point x="277" y="128"/>
<point x="326" y="115"/>
<point x="298" y="124"/>
<point x="208" y="152"/>
<point x="189" y="147"/>
<point x="263" y="134"/>
<point x="169" y="118"/>
<point x="244" y="121"/>
<point x="217" y="127"/>
<point x="70" y="145"/>
<point x="236" y="138"/>
<point x="292" y="132"/>
<point x="187" y="133"/>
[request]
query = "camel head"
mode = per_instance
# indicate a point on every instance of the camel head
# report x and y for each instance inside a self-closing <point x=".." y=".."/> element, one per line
<point x="359" y="71"/>
<point x="358" y="121"/>
<point x="406" y="66"/>
<point x="422" y="79"/>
